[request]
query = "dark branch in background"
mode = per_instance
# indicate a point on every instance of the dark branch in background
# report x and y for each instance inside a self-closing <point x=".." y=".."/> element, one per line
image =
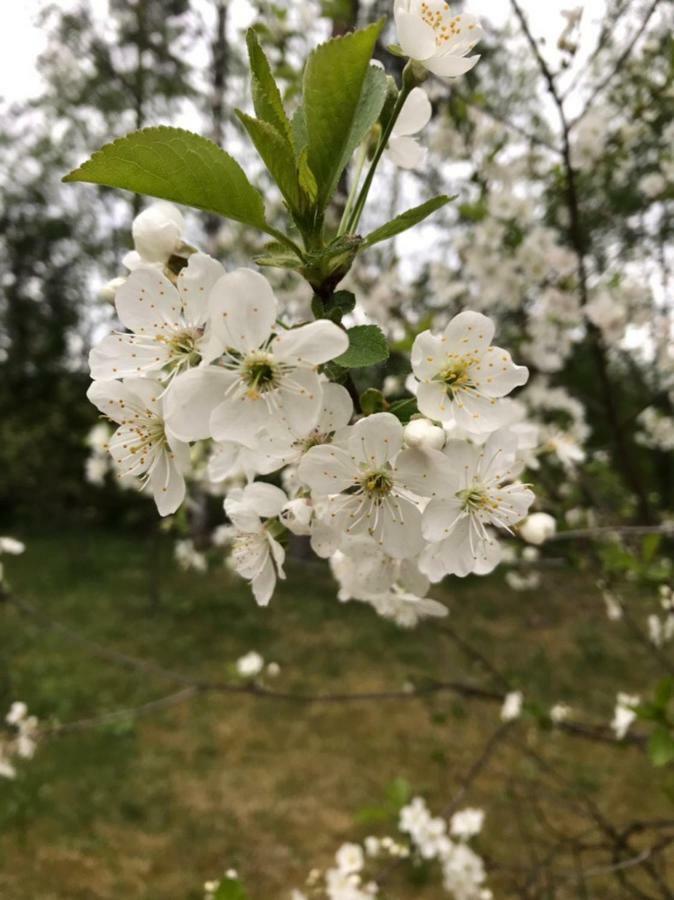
<point x="580" y="241"/>
<point x="619" y="63"/>
<point x="467" y="690"/>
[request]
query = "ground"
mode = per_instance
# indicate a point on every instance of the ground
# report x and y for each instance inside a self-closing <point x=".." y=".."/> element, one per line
<point x="150" y="809"/>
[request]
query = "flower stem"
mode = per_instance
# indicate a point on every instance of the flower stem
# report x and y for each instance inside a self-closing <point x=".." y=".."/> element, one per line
<point x="355" y="217"/>
<point x="362" y="159"/>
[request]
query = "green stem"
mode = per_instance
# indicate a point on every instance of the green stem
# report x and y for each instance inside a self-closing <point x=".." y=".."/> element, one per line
<point x="362" y="159"/>
<point x="405" y="90"/>
<point x="284" y="239"/>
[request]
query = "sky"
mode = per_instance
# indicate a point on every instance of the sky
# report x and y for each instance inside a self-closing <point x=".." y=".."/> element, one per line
<point x="21" y="40"/>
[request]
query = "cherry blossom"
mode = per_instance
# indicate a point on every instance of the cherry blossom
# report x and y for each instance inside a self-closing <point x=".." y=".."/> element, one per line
<point x="403" y="149"/>
<point x="431" y="35"/>
<point x="461" y="376"/>
<point x="168" y="325"/>
<point x="142" y="446"/>
<point x="256" y="554"/>
<point x="265" y="379"/>
<point x="371" y="487"/>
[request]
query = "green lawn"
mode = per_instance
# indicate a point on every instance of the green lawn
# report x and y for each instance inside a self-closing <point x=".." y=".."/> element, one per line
<point x="151" y="808"/>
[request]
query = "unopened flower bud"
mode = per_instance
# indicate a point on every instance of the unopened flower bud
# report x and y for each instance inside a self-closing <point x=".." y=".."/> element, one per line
<point x="422" y="434"/>
<point x="157" y="232"/>
<point x="538" y="528"/>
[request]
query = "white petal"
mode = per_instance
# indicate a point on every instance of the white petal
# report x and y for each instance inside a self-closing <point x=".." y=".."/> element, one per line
<point x="112" y="398"/>
<point x="263" y="584"/>
<point x="224" y="460"/>
<point x="191" y="399"/>
<point x="299" y="401"/>
<point x="327" y="470"/>
<point x="417" y="39"/>
<point x="441" y="518"/>
<point x="468" y="333"/>
<point x="243" y="309"/>
<point x="147" y="302"/>
<point x="194" y="286"/>
<point x="451" y="66"/>
<point x="312" y="344"/>
<point x="376" y="439"/>
<point x="429" y="355"/>
<point x="497" y="375"/>
<point x="406" y="153"/>
<point x="434" y="402"/>
<point x="337" y="409"/>
<point x="401" y="530"/>
<point x="121" y="356"/>
<point x="415" y="114"/>
<point x="238" y="418"/>
<point x="425" y="473"/>
<point x="168" y="485"/>
<point x="266" y="499"/>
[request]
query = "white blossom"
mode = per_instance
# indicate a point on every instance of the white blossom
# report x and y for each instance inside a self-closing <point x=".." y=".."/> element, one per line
<point x="428" y="33"/>
<point x="142" y="446"/>
<point x="512" y="706"/>
<point x="168" y="326"/>
<point x="403" y="148"/>
<point x="461" y="376"/>
<point x="256" y="554"/>
<point x="250" y="665"/>
<point x="624" y="714"/>
<point x="265" y="379"/>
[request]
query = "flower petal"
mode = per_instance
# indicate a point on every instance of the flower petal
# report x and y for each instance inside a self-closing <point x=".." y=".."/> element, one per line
<point x="406" y="152"/>
<point x="417" y="39"/>
<point x="312" y="344"/>
<point x="194" y="286"/>
<point x="123" y="356"/>
<point x="451" y="66"/>
<point x="415" y="114"/>
<point x="376" y="439"/>
<point x="243" y="309"/>
<point x="429" y="355"/>
<point x="434" y="402"/>
<point x="147" y="302"/>
<point x="191" y="399"/>
<point x="468" y="333"/>
<point x="327" y="470"/>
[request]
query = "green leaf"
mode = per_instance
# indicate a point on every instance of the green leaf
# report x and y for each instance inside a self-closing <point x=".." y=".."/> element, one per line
<point x="267" y="99"/>
<point x="230" y="889"/>
<point x="278" y="256"/>
<point x="406" y="220"/>
<point x="367" y="347"/>
<point x="372" y="401"/>
<point x="334" y="108"/>
<point x="650" y="546"/>
<point x="176" y="165"/>
<point x="661" y="747"/>
<point x="307" y="178"/>
<point x="277" y="155"/>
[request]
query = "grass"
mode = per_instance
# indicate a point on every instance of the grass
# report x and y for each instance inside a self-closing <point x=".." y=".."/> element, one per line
<point x="149" y="809"/>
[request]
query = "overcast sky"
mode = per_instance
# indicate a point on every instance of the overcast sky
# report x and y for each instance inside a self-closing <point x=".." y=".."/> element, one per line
<point x="21" y="41"/>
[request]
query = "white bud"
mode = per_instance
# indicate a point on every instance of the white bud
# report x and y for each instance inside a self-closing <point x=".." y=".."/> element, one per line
<point x="109" y="289"/>
<point x="157" y="232"/>
<point x="538" y="528"/>
<point x="422" y="434"/>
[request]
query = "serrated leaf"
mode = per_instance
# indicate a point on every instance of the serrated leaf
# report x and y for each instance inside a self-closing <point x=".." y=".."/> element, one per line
<point x="277" y="155"/>
<point x="333" y="83"/>
<point x="177" y="165"/>
<point x="406" y="220"/>
<point x="367" y="347"/>
<point x="307" y="178"/>
<point x="370" y="105"/>
<point x="661" y="747"/>
<point x="267" y="99"/>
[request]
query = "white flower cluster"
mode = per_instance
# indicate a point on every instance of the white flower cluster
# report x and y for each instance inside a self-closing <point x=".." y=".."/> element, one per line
<point x="20" y="739"/>
<point x="252" y="664"/>
<point x="463" y="870"/>
<point x="661" y="628"/>
<point x="204" y="358"/>
<point x="624" y="714"/>
<point x="426" y="838"/>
